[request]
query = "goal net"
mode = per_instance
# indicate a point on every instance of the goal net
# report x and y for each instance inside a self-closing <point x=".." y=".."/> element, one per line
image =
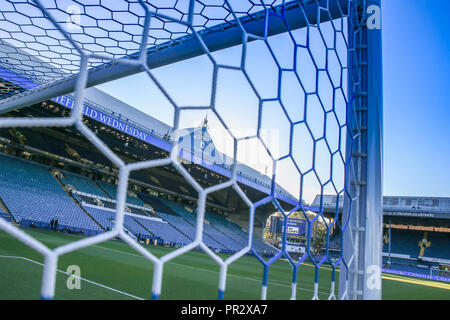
<point x="291" y="90"/>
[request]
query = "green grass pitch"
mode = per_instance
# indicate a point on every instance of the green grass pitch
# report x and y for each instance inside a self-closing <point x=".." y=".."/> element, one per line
<point x="112" y="270"/>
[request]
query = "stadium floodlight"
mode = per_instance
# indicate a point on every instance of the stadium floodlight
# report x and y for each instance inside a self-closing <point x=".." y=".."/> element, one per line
<point x="47" y="51"/>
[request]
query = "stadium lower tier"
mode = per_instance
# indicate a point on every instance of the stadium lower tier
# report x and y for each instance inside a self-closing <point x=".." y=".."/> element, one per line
<point x="32" y="195"/>
<point x="426" y="268"/>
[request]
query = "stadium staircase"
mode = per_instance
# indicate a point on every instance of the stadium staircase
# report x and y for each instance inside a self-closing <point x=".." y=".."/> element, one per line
<point x="76" y="201"/>
<point x="176" y="228"/>
<point x="190" y="219"/>
<point x="161" y="210"/>
<point x="144" y="227"/>
<point x="105" y="212"/>
<point x="224" y="233"/>
<point x="103" y="190"/>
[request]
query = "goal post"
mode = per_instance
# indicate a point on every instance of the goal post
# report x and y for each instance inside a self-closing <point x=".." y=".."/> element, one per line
<point x="363" y="207"/>
<point x="208" y="29"/>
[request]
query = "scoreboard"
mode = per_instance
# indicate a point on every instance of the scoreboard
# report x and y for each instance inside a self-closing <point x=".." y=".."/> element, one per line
<point x="294" y="227"/>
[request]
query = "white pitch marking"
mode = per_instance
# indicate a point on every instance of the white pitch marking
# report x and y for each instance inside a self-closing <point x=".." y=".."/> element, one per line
<point x="89" y="281"/>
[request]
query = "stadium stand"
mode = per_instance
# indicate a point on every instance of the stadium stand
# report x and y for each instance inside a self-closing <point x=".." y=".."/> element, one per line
<point x="409" y="266"/>
<point x="237" y="234"/>
<point x="164" y="231"/>
<point x="160" y="181"/>
<point x="111" y="191"/>
<point x="180" y="228"/>
<point x="33" y="196"/>
<point x="405" y="242"/>
<point x="82" y="183"/>
<point x="48" y="141"/>
<point x="106" y="219"/>
<point x="224" y="242"/>
<point x="5" y="215"/>
<point x="85" y="199"/>
<point x="93" y="200"/>
<point x="335" y="239"/>
<point x="134" y="227"/>
<point x="439" y="247"/>
<point x="156" y="204"/>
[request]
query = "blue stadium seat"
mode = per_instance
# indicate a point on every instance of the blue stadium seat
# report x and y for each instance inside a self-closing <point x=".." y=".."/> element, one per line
<point x="34" y="196"/>
<point x="31" y="194"/>
<point x="440" y="247"/>
<point x="81" y="183"/>
<point x="111" y="190"/>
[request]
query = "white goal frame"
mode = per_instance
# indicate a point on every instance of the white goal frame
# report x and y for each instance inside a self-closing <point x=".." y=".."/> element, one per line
<point x="360" y="276"/>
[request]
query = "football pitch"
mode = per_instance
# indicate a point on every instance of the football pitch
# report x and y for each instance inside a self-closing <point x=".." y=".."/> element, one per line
<point x="112" y="270"/>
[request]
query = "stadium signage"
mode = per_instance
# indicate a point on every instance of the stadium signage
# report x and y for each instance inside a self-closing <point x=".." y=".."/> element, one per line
<point x="104" y="118"/>
<point x="416" y="275"/>
<point x="294" y="227"/>
<point x="410" y="214"/>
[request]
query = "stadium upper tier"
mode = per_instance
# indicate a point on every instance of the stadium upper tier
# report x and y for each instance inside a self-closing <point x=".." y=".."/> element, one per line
<point x="196" y="145"/>
<point x="418" y="207"/>
<point x="36" y="194"/>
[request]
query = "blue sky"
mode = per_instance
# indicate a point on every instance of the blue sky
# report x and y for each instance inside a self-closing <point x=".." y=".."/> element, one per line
<point x="416" y="58"/>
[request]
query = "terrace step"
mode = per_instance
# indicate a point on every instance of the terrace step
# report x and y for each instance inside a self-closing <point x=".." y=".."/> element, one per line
<point x="143" y="227"/>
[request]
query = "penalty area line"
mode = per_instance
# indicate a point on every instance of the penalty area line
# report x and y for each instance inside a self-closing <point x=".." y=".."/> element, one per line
<point x="81" y="278"/>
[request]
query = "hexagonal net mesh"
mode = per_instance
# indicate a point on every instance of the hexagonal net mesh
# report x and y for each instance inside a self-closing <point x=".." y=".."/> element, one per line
<point x="307" y="73"/>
